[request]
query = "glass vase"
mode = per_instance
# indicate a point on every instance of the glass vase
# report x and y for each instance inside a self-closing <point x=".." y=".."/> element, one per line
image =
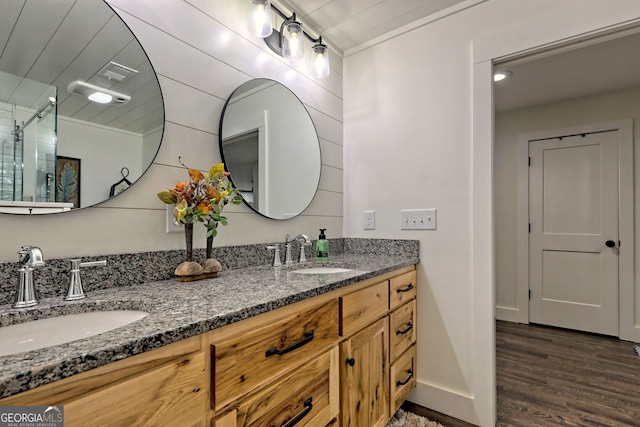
<point x="188" y="234"/>
<point x="209" y="246"/>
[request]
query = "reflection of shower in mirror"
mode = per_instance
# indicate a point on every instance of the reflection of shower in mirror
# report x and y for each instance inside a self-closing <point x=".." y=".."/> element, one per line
<point x="28" y="122"/>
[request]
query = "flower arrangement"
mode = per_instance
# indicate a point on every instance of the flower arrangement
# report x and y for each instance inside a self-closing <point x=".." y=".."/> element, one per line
<point x="202" y="198"/>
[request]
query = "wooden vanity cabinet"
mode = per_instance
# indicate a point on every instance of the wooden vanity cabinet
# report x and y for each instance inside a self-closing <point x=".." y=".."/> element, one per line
<point x="346" y="357"/>
<point x="377" y="355"/>
<point x="347" y="374"/>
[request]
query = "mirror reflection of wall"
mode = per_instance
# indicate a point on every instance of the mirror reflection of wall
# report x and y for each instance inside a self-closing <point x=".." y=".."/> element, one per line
<point x="270" y="146"/>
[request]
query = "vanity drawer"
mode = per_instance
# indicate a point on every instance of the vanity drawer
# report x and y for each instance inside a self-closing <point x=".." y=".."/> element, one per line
<point x="309" y="396"/>
<point x="402" y="289"/>
<point x="403" y="329"/>
<point x="403" y="378"/>
<point x="245" y="362"/>
<point x="359" y="309"/>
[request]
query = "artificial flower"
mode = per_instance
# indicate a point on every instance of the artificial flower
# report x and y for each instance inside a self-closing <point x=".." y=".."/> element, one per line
<point x="202" y="198"/>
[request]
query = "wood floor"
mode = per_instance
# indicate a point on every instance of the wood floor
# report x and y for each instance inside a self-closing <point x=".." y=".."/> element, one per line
<point x="555" y="377"/>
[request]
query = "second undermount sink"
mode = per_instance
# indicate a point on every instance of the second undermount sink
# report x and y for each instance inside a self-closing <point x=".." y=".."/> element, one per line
<point x="322" y="270"/>
<point x="52" y="331"/>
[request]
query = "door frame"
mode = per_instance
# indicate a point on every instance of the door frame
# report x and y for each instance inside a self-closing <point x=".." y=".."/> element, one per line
<point x="626" y="329"/>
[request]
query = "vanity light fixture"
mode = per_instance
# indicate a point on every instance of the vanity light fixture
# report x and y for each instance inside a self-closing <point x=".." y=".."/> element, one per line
<point x="97" y="94"/>
<point x="289" y="41"/>
<point x="500" y="75"/>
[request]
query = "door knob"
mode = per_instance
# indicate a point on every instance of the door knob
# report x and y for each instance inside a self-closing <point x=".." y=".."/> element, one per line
<point x="610" y="243"/>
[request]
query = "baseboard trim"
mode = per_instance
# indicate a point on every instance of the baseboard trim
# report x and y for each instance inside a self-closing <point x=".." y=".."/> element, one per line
<point x="444" y="401"/>
<point x="508" y="314"/>
<point x="630" y="334"/>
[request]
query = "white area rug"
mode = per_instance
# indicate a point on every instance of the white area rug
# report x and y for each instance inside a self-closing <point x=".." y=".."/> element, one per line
<point x="409" y="419"/>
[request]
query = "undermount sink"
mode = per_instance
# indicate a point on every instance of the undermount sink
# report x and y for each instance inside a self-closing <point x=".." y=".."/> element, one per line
<point x="62" y="329"/>
<point x="322" y="270"/>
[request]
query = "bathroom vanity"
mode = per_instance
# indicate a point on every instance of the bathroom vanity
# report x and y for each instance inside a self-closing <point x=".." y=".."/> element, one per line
<point x="257" y="346"/>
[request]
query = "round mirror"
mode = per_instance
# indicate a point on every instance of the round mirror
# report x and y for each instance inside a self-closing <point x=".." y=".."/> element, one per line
<point x="270" y="147"/>
<point x="81" y="112"/>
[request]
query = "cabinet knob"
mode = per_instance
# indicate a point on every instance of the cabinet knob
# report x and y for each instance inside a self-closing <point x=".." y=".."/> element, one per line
<point x="351" y="361"/>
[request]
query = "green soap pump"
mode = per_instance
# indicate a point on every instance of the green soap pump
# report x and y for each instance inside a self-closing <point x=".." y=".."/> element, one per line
<point x="322" y="247"/>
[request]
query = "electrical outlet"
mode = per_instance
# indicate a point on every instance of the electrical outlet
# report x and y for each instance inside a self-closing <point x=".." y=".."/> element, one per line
<point x="418" y="219"/>
<point x="172" y="226"/>
<point x="369" y="220"/>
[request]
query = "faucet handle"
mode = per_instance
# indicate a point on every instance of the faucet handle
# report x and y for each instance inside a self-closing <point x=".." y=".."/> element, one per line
<point x="303" y="257"/>
<point x="276" y="255"/>
<point x="76" y="291"/>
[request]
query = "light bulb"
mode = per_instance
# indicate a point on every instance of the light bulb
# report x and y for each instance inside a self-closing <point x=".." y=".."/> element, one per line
<point x="501" y="75"/>
<point x="260" y="18"/>
<point x="293" y="46"/>
<point x="321" y="67"/>
<point x="100" y="97"/>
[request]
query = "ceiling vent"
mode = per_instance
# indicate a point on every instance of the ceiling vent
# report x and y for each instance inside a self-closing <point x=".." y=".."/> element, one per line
<point x="117" y="72"/>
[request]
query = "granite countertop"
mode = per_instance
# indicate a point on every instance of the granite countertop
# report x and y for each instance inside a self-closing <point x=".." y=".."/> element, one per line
<point x="177" y="310"/>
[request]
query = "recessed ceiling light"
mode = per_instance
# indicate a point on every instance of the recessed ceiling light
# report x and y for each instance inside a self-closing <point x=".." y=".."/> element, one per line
<point x="100" y="97"/>
<point x="499" y="75"/>
<point x="97" y="94"/>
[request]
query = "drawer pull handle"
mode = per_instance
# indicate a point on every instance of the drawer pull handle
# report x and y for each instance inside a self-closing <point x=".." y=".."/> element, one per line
<point x="351" y="361"/>
<point x="399" y="383"/>
<point x="308" y="406"/>
<point x="308" y="336"/>
<point x="404" y="331"/>
<point x="407" y="289"/>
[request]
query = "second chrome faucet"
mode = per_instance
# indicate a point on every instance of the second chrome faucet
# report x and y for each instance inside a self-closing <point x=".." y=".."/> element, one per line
<point x="288" y="243"/>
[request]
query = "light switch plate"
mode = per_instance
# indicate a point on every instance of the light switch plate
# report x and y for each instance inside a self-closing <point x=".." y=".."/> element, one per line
<point x="418" y="219"/>
<point x="171" y="225"/>
<point x="369" y="220"/>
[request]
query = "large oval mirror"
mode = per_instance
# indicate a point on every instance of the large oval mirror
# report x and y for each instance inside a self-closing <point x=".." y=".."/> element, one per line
<point x="270" y="147"/>
<point x="81" y="112"/>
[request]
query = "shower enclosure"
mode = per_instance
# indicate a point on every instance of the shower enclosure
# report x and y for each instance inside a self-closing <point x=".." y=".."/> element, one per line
<point x="28" y="128"/>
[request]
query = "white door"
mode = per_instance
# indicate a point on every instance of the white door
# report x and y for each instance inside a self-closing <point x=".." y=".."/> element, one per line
<point x="573" y="240"/>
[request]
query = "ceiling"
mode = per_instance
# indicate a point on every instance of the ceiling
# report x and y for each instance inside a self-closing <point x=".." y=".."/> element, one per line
<point x="346" y="24"/>
<point x="586" y="68"/>
<point x="57" y="42"/>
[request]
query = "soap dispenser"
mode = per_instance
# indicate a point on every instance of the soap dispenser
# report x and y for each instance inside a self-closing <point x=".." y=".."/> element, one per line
<point x="322" y="247"/>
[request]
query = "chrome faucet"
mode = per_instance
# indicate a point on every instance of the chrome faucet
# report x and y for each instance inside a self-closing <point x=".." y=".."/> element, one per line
<point x="304" y="241"/>
<point x="29" y="258"/>
<point x="76" y="291"/>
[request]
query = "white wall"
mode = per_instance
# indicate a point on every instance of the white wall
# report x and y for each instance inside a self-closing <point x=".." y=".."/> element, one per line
<point x="418" y="134"/>
<point x="602" y="108"/>
<point x="201" y="51"/>
<point x="103" y="152"/>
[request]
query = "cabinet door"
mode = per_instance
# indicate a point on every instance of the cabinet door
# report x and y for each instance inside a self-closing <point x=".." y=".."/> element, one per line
<point x="175" y="392"/>
<point x="365" y="377"/>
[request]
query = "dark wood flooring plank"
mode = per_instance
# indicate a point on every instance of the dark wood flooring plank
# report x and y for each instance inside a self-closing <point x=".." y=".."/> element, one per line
<point x="551" y="377"/>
